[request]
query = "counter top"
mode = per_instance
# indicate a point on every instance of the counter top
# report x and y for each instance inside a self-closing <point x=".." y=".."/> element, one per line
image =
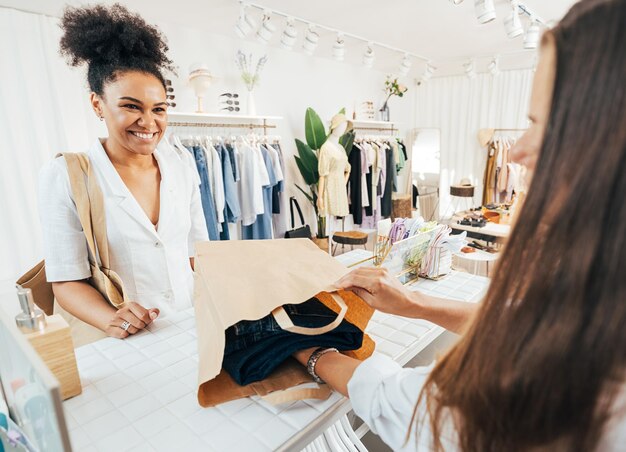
<point x="140" y="393"/>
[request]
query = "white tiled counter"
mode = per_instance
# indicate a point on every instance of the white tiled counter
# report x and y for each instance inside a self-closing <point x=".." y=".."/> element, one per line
<point x="140" y="393"/>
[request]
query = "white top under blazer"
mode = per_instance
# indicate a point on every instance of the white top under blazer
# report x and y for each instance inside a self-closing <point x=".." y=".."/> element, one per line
<point x="152" y="262"/>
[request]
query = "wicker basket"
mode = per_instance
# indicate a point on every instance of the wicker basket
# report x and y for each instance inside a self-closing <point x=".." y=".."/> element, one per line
<point x="401" y="207"/>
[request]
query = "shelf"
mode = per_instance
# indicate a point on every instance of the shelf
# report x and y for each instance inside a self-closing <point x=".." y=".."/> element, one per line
<point x="177" y="116"/>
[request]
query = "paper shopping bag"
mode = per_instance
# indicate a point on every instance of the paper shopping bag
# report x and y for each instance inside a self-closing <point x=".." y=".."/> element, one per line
<point x="247" y="280"/>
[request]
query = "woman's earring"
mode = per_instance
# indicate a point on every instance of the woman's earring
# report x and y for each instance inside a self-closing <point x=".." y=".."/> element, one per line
<point x="101" y="118"/>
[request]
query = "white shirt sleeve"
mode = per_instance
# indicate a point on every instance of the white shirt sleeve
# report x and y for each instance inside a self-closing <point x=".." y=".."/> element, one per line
<point x="218" y="177"/>
<point x="64" y="243"/>
<point x="384" y="395"/>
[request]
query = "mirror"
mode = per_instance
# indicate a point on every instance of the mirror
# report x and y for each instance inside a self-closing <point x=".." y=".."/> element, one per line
<point x="426" y="168"/>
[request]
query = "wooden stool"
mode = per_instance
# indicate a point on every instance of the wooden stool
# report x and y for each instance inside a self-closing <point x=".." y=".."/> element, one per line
<point x="349" y="238"/>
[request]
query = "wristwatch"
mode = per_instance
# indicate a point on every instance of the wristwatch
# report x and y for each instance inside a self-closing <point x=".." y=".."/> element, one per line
<point x="310" y="365"/>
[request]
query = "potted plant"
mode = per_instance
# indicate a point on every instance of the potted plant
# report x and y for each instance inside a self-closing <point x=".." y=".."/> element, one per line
<point x="392" y="88"/>
<point x="307" y="162"/>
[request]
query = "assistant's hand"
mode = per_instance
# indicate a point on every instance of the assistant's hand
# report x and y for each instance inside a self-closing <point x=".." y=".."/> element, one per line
<point x="380" y="290"/>
<point x="133" y="313"/>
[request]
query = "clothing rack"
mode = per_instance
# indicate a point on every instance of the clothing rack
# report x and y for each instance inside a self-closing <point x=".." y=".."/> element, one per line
<point x="391" y="129"/>
<point x="263" y="126"/>
<point x="510" y="130"/>
<point x="215" y="121"/>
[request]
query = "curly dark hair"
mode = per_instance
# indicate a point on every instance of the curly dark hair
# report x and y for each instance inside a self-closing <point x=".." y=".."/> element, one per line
<point x="112" y="40"/>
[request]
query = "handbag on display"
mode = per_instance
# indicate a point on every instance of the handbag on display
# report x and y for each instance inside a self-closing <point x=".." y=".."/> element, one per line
<point x="304" y="231"/>
<point x="248" y="280"/>
<point x="90" y="206"/>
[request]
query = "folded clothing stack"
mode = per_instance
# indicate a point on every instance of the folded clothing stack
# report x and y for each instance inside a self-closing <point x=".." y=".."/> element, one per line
<point x="254" y="348"/>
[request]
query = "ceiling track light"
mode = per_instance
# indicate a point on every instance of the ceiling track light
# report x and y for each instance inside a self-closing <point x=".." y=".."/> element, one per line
<point x="531" y="38"/>
<point x="513" y="23"/>
<point x="245" y="23"/>
<point x="493" y="67"/>
<point x="290" y="33"/>
<point x="429" y="70"/>
<point x="311" y="40"/>
<point x="339" y="48"/>
<point x="470" y="69"/>
<point x="369" y="55"/>
<point x="267" y="28"/>
<point x="456" y="2"/>
<point x="405" y="65"/>
<point x="485" y="11"/>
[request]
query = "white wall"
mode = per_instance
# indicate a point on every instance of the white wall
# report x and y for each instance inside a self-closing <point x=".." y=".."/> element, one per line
<point x="44" y="109"/>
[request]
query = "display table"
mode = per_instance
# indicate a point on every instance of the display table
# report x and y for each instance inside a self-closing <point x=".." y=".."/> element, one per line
<point x="140" y="393"/>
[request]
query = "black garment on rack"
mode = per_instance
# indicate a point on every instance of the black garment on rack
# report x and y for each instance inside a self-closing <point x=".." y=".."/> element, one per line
<point x="280" y="186"/>
<point x="385" y="204"/>
<point x="354" y="183"/>
<point x="403" y="147"/>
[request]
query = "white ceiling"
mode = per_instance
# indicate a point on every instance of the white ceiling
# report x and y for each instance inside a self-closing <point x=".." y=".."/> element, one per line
<point x="436" y="29"/>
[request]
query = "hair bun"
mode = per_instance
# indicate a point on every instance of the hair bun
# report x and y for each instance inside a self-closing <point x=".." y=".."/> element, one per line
<point x="111" y="35"/>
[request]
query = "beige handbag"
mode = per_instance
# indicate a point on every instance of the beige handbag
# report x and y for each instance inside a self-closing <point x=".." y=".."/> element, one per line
<point x="90" y="206"/>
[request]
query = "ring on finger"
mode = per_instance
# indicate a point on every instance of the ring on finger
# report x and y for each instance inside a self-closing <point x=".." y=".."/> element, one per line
<point x="125" y="325"/>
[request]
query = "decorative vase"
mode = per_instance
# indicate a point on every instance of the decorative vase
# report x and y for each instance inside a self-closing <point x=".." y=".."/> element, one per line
<point x="384" y="112"/>
<point x="251" y="106"/>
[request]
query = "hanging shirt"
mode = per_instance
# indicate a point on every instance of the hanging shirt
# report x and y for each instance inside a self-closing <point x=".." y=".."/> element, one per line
<point x="208" y="202"/>
<point x="218" y="185"/>
<point x="153" y="263"/>
<point x="253" y="178"/>
<point x="261" y="229"/>
<point x="354" y="182"/>
<point x="279" y="187"/>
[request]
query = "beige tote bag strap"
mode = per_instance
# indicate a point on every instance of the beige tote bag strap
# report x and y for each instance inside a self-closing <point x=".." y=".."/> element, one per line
<point x="90" y="205"/>
<point x="286" y="324"/>
<point x="81" y="198"/>
<point x="294" y="394"/>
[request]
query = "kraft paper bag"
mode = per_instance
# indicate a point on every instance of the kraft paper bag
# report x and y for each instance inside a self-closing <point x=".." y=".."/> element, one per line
<point x="248" y="279"/>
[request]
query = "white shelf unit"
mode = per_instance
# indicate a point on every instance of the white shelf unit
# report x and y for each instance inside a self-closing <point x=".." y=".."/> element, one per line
<point x="365" y="125"/>
<point x="215" y="120"/>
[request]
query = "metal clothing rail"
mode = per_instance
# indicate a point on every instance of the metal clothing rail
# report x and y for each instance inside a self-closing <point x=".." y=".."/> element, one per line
<point x="510" y="130"/>
<point x="391" y="129"/>
<point x="213" y="125"/>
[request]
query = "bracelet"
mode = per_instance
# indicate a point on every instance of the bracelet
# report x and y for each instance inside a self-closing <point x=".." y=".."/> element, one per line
<point x="310" y="365"/>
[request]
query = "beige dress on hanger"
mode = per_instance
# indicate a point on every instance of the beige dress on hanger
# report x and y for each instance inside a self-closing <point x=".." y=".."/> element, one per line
<point x="333" y="164"/>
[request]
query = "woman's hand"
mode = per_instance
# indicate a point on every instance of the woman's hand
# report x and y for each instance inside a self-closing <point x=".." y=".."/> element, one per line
<point x="133" y="313"/>
<point x="381" y="291"/>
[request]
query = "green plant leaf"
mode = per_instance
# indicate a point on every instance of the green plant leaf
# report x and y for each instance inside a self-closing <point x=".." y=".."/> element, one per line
<point x="309" y="177"/>
<point x="347" y="140"/>
<point x="342" y="111"/>
<point x="308" y="196"/>
<point x="307" y="155"/>
<point x="314" y="129"/>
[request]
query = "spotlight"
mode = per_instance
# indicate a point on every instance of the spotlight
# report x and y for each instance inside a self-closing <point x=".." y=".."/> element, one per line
<point x="470" y="69"/>
<point x="531" y="38"/>
<point x="456" y="2"/>
<point x="512" y="23"/>
<point x="493" y="67"/>
<point x="266" y="30"/>
<point x="485" y="11"/>
<point x="405" y="65"/>
<point x="339" y="48"/>
<point x="310" y="40"/>
<point x="245" y="24"/>
<point x="369" y="55"/>
<point x="288" y="38"/>
<point x="429" y="70"/>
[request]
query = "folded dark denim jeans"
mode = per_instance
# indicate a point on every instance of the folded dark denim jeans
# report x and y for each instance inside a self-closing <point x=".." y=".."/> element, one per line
<point x="255" y="348"/>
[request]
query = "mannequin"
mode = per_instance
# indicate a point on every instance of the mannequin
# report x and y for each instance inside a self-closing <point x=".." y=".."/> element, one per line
<point x="334" y="171"/>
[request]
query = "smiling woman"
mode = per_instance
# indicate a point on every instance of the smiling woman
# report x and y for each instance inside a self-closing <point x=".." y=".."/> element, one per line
<point x="152" y="207"/>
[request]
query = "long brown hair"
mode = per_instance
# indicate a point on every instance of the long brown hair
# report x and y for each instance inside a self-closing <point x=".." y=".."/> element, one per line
<point x="546" y="354"/>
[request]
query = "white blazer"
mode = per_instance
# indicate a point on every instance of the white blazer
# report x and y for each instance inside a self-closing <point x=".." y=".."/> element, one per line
<point x="153" y="263"/>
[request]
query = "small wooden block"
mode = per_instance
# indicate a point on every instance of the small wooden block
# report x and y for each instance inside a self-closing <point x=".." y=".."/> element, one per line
<point x="55" y="346"/>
